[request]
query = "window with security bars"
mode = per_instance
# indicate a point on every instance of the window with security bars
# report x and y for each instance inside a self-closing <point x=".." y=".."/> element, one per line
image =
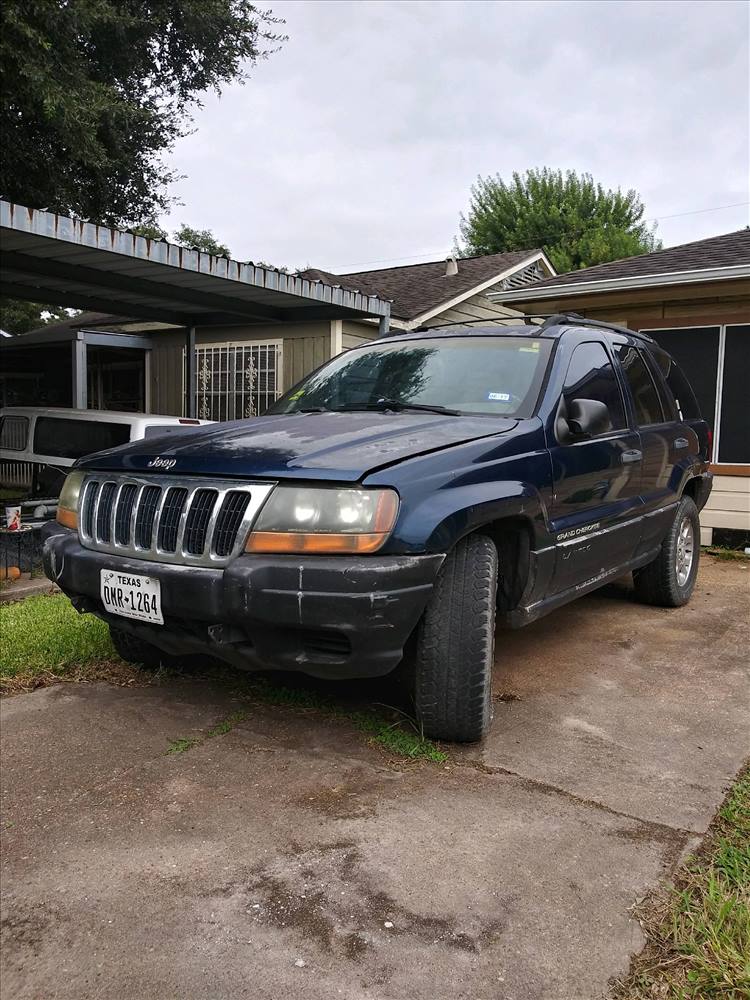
<point x="235" y="381"/>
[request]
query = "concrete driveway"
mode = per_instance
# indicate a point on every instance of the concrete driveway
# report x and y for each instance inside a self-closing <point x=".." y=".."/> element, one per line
<point x="290" y="858"/>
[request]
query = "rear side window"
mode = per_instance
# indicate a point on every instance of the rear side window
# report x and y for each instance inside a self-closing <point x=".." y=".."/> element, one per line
<point x="14" y="432"/>
<point x="591" y="375"/>
<point x="67" y="438"/>
<point x="648" y="409"/>
<point x="684" y="397"/>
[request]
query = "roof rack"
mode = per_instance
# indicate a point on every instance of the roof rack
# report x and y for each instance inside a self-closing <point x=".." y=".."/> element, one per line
<point x="511" y="320"/>
<point x="549" y="319"/>
<point x="558" y="319"/>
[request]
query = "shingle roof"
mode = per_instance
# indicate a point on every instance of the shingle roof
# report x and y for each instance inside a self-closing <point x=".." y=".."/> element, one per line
<point x="728" y="250"/>
<point x="418" y="288"/>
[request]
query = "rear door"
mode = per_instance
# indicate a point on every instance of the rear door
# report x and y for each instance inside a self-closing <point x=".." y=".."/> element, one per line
<point x="666" y="443"/>
<point x="597" y="481"/>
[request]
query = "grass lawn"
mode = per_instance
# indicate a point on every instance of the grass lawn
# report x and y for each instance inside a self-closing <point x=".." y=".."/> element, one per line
<point x="44" y="637"/>
<point x="698" y="930"/>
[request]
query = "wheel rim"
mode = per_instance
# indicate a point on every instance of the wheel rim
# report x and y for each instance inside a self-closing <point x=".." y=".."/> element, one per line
<point x="685" y="551"/>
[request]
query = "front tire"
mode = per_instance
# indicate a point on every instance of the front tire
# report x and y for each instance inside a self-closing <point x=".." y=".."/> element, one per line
<point x="134" y="650"/>
<point x="669" y="580"/>
<point x="456" y="644"/>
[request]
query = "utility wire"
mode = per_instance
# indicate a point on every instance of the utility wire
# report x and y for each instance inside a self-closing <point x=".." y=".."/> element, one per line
<point x="394" y="260"/>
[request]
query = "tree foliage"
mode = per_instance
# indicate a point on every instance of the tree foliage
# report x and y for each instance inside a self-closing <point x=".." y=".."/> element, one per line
<point x="575" y="220"/>
<point x="94" y="93"/>
<point x="19" y="316"/>
<point x="201" y="239"/>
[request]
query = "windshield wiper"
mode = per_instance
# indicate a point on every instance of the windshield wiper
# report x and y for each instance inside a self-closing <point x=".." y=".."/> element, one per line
<point x="380" y="405"/>
<point x="398" y="404"/>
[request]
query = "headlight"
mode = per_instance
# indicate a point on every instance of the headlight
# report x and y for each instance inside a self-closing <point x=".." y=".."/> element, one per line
<point x="67" y="505"/>
<point x="324" y="520"/>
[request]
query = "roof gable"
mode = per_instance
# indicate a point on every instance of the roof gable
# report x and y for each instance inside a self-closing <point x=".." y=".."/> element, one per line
<point x="417" y="289"/>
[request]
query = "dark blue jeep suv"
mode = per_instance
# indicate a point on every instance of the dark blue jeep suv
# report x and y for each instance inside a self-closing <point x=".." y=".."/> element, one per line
<point x="401" y="496"/>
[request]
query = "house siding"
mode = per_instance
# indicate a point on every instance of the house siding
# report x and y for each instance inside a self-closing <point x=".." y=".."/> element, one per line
<point x="305" y="347"/>
<point x="355" y="334"/>
<point x="478" y="307"/>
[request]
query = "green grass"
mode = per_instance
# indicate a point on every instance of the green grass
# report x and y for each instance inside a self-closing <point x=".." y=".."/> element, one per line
<point x="698" y="931"/>
<point x="730" y="555"/>
<point x="45" y="635"/>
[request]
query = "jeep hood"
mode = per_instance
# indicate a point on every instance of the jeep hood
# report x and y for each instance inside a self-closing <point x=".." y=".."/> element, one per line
<point x="336" y="446"/>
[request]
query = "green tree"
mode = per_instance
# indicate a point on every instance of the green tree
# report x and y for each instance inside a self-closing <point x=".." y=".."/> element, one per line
<point x="18" y="316"/>
<point x="200" y="239"/>
<point x="576" y="221"/>
<point x="94" y="93"/>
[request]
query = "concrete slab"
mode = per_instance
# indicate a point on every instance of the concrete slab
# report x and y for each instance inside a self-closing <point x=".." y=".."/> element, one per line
<point x="645" y="710"/>
<point x="289" y="858"/>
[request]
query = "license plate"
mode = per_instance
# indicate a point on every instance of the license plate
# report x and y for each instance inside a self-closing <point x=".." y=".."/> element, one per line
<point x="132" y="596"/>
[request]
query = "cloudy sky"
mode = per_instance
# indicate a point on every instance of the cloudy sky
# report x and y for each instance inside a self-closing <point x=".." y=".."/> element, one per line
<point x="356" y="144"/>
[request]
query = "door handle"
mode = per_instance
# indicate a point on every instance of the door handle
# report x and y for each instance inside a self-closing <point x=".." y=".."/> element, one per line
<point x="627" y="457"/>
<point x="681" y="443"/>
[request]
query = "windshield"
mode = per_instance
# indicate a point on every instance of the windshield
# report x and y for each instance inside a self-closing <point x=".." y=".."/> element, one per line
<point x="491" y="375"/>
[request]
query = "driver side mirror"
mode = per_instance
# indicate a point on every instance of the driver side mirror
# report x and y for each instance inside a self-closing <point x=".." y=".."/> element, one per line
<point x="588" y="417"/>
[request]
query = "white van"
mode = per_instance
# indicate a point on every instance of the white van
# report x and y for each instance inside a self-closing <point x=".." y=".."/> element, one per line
<point x="38" y="444"/>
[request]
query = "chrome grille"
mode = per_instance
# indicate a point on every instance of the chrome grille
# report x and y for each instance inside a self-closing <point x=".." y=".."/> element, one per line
<point x="168" y="520"/>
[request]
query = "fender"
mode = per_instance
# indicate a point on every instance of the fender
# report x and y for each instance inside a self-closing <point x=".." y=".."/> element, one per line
<point x="486" y="480"/>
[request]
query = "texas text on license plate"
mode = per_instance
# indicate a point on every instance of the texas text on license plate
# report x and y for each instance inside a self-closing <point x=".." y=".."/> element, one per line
<point x="132" y="596"/>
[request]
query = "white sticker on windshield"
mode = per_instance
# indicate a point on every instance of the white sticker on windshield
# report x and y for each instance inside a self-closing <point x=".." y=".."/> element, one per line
<point x="500" y="397"/>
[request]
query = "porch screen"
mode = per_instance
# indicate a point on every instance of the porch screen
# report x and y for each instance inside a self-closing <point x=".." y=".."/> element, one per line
<point x="696" y="351"/>
<point x="235" y="381"/>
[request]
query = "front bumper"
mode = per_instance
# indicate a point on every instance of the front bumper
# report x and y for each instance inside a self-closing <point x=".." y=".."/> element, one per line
<point x="328" y="616"/>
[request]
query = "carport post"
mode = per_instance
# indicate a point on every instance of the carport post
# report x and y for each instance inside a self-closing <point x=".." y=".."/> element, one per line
<point x="191" y="382"/>
<point x="80" y="382"/>
<point x="384" y="325"/>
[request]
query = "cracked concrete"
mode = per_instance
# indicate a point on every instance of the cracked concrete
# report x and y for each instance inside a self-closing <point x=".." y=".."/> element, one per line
<point x="289" y="858"/>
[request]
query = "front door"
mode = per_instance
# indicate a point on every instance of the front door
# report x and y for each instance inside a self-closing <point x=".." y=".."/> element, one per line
<point x="597" y="481"/>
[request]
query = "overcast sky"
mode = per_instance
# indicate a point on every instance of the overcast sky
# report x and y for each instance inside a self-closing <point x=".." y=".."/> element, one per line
<point x="356" y="144"/>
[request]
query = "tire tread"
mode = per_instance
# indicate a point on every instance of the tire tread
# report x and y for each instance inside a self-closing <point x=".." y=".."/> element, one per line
<point x="455" y="645"/>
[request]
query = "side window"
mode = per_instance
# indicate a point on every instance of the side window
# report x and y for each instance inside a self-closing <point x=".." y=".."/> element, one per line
<point x="592" y="376"/>
<point x="648" y="409"/>
<point x="14" y="433"/>
<point x="64" y="438"/>
<point x="684" y="397"/>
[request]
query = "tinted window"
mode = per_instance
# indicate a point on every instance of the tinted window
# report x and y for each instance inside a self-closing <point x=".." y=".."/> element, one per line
<point x="13" y="433"/>
<point x="592" y="376"/>
<point x="75" y="438"/>
<point x="684" y="397"/>
<point x="734" y="435"/>
<point x="645" y="398"/>
<point x="697" y="352"/>
<point x="499" y="375"/>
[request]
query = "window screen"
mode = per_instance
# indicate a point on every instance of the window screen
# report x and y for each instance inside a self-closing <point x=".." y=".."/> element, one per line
<point x="645" y="397"/>
<point x="734" y="430"/>
<point x="14" y="432"/>
<point x="682" y="391"/>
<point x="65" y="438"/>
<point x="696" y="350"/>
<point x="592" y="376"/>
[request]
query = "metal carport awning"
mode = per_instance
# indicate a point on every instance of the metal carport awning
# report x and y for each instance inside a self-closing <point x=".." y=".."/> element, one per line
<point x="53" y="259"/>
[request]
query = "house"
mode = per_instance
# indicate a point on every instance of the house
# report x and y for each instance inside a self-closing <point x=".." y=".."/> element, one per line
<point x="694" y="300"/>
<point x="441" y="292"/>
<point x="242" y="366"/>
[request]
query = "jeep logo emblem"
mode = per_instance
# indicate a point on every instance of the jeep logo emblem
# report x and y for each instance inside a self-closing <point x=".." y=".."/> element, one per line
<point x="162" y="463"/>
